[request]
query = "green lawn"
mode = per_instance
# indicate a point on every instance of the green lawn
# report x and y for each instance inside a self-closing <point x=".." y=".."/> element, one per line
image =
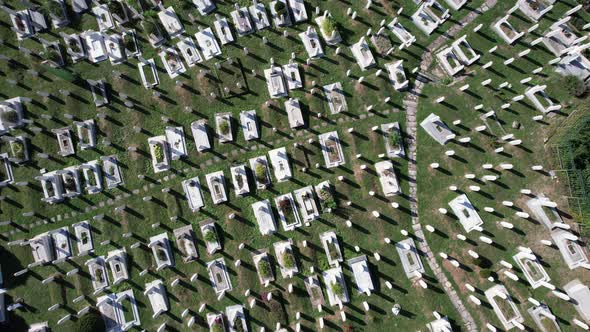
<point x="433" y="184"/>
<point x="115" y="124"/>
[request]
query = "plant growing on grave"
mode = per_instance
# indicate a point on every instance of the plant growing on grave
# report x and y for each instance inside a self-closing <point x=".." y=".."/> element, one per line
<point x="395" y="138"/>
<point x="9" y="116"/>
<point x="18" y="149"/>
<point x="238" y="324"/>
<point x="285" y="206"/>
<point x="162" y="254"/>
<point x="382" y="44"/>
<point x="70" y="183"/>
<point x="129" y="43"/>
<point x="337" y="289"/>
<point x="217" y="326"/>
<point x="73" y="45"/>
<point x="260" y="172"/>
<point x="316" y="292"/>
<point x="327" y="199"/>
<point x="264" y="268"/>
<point x="333" y="250"/>
<point x="116" y="7"/>
<point x="90" y="322"/>
<point x="224" y="127"/>
<point x="329" y="25"/>
<point x="151" y="28"/>
<point x="288" y="259"/>
<point x="53" y="8"/>
<point x="52" y="54"/>
<point x="240" y="181"/>
<point x="399" y="76"/>
<point x="573" y="85"/>
<point x="280" y="8"/>
<point x="210" y="236"/>
<point x="158" y="152"/>
<point x="446" y="80"/>
<point x="323" y="263"/>
<point x="135" y="4"/>
<point x="84" y="238"/>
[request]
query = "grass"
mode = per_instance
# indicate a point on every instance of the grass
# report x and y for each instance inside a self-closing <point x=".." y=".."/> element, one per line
<point x="470" y="157"/>
<point x="114" y="126"/>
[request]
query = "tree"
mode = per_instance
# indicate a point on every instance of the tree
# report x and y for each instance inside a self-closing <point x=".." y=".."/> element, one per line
<point x="573" y="85"/>
<point x="90" y="322"/>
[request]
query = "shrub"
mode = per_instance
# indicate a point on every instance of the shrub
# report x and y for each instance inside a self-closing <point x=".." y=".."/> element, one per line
<point x="329" y="25"/>
<point x="573" y="85"/>
<point x="158" y="152"/>
<point x="280" y="8"/>
<point x="9" y="116"/>
<point x="90" y="322"/>
<point x="224" y="128"/>
<point x="394" y="137"/>
<point x="53" y="8"/>
<point x="288" y="260"/>
<point x="337" y="289"/>
<point x="446" y="80"/>
<point x="238" y="325"/>
<point x="264" y="268"/>
<point x="210" y="236"/>
<point x="260" y="172"/>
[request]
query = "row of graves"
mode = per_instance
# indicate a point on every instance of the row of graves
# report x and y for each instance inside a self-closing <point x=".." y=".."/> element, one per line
<point x="561" y="40"/>
<point x="116" y="43"/>
<point x="301" y="207"/>
<point x="58" y="184"/>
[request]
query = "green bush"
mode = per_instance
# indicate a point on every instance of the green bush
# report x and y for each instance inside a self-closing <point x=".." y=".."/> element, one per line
<point x="210" y="236"/>
<point x="337" y="289"/>
<point x="224" y="128"/>
<point x="90" y="322"/>
<point x="260" y="172"/>
<point x="394" y="137"/>
<point x="280" y="8"/>
<point x="446" y="80"/>
<point x="329" y="25"/>
<point x="288" y="260"/>
<point x="573" y="85"/>
<point x="158" y="152"/>
<point x="264" y="268"/>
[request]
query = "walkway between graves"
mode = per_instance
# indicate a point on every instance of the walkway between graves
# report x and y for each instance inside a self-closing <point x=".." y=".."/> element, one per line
<point x="411" y="107"/>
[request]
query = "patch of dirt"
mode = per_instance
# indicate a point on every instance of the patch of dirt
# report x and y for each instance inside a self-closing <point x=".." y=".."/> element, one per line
<point x="386" y="5"/>
<point x="360" y="88"/>
<point x="358" y="173"/>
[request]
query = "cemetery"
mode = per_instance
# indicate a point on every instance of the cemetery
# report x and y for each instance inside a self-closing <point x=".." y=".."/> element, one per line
<point x="294" y="165"/>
